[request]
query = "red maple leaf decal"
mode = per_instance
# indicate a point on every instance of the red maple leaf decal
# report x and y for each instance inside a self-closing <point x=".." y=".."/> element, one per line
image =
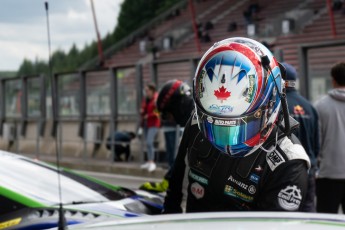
<point x="222" y="93"/>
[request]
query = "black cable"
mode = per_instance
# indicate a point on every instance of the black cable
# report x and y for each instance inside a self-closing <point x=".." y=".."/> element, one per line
<point x="266" y="64"/>
<point x="62" y="219"/>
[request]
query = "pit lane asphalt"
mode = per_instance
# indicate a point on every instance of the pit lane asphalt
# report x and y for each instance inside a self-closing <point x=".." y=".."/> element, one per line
<point x="131" y="168"/>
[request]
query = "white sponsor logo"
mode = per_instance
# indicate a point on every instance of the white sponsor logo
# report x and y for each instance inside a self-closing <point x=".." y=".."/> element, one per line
<point x="197" y="190"/>
<point x="239" y="183"/>
<point x="252" y="189"/>
<point x="274" y="159"/>
<point x="227" y="123"/>
<point x="290" y="198"/>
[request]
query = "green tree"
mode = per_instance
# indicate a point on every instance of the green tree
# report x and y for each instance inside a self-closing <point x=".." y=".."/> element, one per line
<point x="73" y="58"/>
<point x="136" y="13"/>
<point x="26" y="68"/>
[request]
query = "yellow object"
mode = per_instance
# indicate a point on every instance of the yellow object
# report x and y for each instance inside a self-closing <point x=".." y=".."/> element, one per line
<point x="10" y="223"/>
<point x="155" y="186"/>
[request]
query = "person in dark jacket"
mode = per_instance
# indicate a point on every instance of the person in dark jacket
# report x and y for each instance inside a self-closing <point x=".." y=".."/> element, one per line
<point x="306" y="115"/>
<point x="236" y="153"/>
<point x="121" y="144"/>
<point x="175" y="104"/>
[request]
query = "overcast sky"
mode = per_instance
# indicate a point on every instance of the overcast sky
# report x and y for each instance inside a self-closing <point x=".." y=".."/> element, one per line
<point x="23" y="26"/>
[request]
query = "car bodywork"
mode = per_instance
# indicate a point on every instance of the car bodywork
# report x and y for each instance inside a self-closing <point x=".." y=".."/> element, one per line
<point x="32" y="192"/>
<point x="226" y="221"/>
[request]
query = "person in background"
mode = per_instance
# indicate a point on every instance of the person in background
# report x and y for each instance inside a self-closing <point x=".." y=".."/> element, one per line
<point x="236" y="153"/>
<point x="175" y="104"/>
<point x="251" y="13"/>
<point x="151" y="124"/>
<point x="330" y="181"/>
<point x="121" y="141"/>
<point x="308" y="132"/>
<point x="337" y="4"/>
<point x="170" y="129"/>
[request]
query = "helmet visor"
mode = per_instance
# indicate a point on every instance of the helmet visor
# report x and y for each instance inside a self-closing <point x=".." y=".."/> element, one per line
<point x="227" y="133"/>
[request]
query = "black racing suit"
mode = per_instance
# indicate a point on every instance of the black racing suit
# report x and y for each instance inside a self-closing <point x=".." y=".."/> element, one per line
<point x="262" y="181"/>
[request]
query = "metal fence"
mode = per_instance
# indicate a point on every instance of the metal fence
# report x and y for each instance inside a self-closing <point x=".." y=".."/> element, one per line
<point x="91" y="104"/>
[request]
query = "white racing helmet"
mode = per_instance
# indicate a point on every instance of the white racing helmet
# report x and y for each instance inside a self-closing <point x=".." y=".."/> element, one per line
<point x="237" y="87"/>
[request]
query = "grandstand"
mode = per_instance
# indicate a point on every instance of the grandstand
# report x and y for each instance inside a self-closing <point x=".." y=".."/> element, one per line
<point x="310" y="19"/>
<point x="93" y="101"/>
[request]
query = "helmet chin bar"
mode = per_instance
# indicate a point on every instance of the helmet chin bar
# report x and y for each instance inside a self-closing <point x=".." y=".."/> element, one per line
<point x="266" y="64"/>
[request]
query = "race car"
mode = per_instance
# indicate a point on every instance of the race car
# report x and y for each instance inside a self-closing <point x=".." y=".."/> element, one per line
<point x="34" y="195"/>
